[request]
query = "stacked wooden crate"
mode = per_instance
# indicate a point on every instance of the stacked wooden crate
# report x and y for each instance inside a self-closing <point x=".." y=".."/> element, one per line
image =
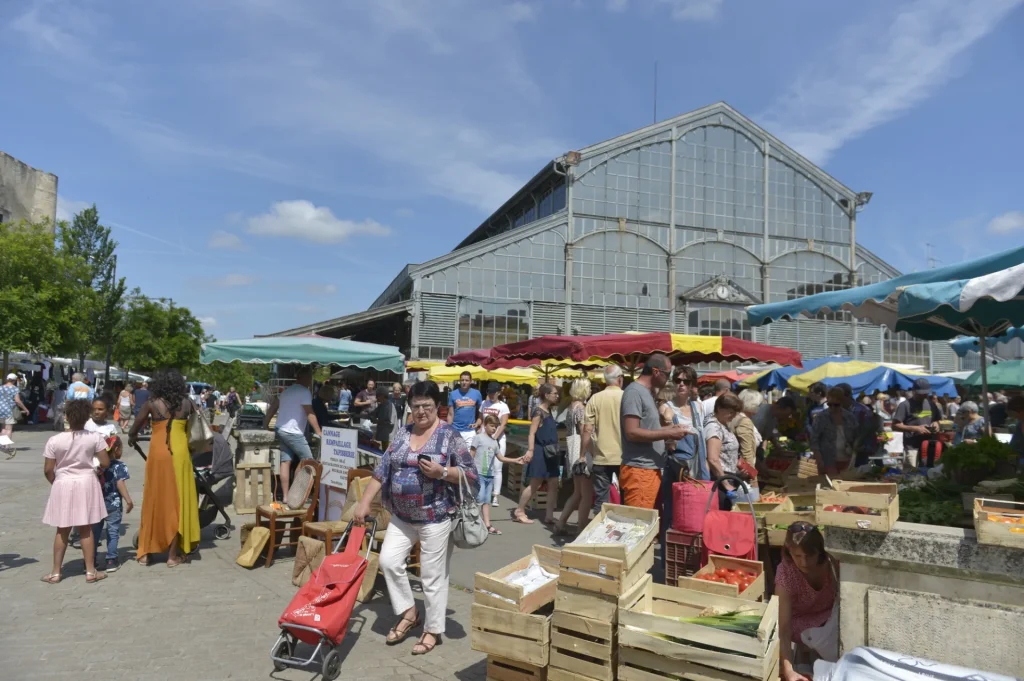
<point x="655" y="645"/>
<point x="512" y="627"/>
<point x="779" y="520"/>
<point x="874" y="507"/>
<point x="596" y="581"/>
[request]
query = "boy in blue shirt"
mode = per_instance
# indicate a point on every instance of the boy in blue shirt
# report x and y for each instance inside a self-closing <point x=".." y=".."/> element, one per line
<point x="486" y="452"/>
<point x="464" y="405"/>
<point x="117" y="500"/>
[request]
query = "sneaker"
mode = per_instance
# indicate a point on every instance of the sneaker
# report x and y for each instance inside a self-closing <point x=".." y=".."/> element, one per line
<point x="113" y="566"/>
<point x="494" y="502"/>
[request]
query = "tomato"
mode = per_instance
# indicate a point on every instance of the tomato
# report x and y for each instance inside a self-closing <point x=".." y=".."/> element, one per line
<point x="731" y="579"/>
<point x="722" y="572"/>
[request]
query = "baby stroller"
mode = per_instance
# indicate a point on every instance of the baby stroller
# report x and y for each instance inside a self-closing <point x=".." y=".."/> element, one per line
<point x="208" y="469"/>
<point x="319" y="613"/>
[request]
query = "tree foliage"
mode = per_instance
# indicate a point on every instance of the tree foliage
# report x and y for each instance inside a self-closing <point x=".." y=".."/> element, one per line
<point x="224" y="375"/>
<point x="43" y="304"/>
<point x="156" y="333"/>
<point x="85" y="239"/>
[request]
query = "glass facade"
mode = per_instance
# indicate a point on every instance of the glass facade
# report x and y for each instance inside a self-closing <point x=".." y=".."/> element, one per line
<point x="484" y="324"/>
<point x="620" y="269"/>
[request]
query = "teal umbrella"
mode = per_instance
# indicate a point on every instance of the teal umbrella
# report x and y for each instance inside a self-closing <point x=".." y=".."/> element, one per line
<point x="1007" y="375"/>
<point x="305" y="350"/>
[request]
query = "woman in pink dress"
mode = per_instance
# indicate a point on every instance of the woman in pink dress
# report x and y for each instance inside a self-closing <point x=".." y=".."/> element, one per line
<point x="807" y="586"/>
<point x="76" y="496"/>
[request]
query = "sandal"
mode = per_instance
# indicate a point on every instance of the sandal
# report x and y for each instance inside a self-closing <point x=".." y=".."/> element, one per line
<point x="521" y="519"/>
<point x="395" y="636"/>
<point x="52" y="578"/>
<point x="175" y="563"/>
<point x="143" y="561"/>
<point x="422" y="648"/>
<point x="493" y="530"/>
<point x="93" y="577"/>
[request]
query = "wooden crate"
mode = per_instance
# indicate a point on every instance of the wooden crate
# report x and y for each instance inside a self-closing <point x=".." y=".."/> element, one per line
<point x="523" y="637"/>
<point x="512" y="474"/>
<point x="760" y="507"/>
<point x="754" y="592"/>
<point x="503" y="669"/>
<point x="555" y="674"/>
<point x="583" y="646"/>
<point x="737" y="655"/>
<point x="991" y="526"/>
<point x="491" y="589"/>
<point x="803" y="469"/>
<point x="795" y="485"/>
<point x="598" y="606"/>
<point x="882" y="497"/>
<point x="787" y="515"/>
<point x="252" y="486"/>
<point x="618" y="551"/>
<point x="600" y="574"/>
<point x="640" y="665"/>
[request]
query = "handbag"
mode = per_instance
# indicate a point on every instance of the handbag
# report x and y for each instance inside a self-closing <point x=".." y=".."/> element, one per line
<point x="200" y="434"/>
<point x="468" y="530"/>
<point x="689" y="499"/>
<point x="727" y="533"/>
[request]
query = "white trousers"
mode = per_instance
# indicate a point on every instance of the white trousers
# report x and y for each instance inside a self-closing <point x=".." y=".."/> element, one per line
<point x="435" y="559"/>
<point x="497" y="468"/>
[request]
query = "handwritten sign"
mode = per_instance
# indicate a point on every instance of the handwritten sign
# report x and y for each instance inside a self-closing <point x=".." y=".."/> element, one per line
<point x="338" y="452"/>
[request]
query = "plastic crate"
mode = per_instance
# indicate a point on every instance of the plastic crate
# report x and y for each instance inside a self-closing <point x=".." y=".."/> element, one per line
<point x="683" y="552"/>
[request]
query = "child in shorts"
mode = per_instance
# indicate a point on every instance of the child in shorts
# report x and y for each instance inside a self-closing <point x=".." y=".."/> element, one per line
<point x="485" y="451"/>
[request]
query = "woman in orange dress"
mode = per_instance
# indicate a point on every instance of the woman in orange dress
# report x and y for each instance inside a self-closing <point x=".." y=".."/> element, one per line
<point x="170" y="506"/>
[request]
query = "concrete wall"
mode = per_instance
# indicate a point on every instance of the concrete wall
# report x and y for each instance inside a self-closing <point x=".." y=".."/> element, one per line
<point x="26" y="193"/>
<point x="933" y="592"/>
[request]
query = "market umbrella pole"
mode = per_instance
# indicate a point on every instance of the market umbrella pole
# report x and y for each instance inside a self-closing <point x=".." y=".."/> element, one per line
<point x="984" y="383"/>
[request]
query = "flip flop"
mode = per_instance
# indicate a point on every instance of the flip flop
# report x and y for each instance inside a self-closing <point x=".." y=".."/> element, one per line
<point x="493" y="530"/>
<point x="93" y="577"/>
<point x="52" y="578"/>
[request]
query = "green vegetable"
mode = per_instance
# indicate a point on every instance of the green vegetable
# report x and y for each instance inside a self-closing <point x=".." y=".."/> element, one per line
<point x="966" y="462"/>
<point x="737" y="622"/>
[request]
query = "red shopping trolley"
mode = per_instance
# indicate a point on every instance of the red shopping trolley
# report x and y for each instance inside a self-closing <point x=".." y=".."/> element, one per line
<point x="319" y="613"/>
<point x="726" y="533"/>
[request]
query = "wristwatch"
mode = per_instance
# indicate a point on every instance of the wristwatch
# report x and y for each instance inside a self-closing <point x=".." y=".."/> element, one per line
<point x="444" y="473"/>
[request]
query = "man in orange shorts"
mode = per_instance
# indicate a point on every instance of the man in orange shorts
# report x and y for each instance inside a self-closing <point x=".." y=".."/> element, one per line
<point x="643" y="438"/>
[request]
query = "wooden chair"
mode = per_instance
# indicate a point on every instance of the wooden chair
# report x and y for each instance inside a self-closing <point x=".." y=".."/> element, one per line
<point x="299" y="508"/>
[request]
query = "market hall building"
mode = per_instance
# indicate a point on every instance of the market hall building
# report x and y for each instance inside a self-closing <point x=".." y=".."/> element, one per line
<point x="677" y="226"/>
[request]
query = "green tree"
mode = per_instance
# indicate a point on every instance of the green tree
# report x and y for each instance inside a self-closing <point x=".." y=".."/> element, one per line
<point x="43" y="305"/>
<point x="224" y="375"/>
<point x="86" y="239"/>
<point x="156" y="333"/>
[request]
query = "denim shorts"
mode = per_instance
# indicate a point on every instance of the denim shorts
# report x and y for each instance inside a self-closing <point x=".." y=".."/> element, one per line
<point x="486" y="489"/>
<point x="293" y="446"/>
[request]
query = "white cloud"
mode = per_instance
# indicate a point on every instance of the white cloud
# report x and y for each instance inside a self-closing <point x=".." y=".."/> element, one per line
<point x="1006" y="223"/>
<point x="680" y="10"/>
<point x="226" y="241"/>
<point x="321" y="289"/>
<point x="66" y="208"/>
<point x="236" y="280"/>
<point x="302" y="220"/>
<point x="207" y="322"/>
<point x="878" y="69"/>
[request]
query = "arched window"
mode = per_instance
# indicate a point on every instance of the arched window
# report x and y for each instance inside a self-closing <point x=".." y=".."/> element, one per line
<point x="702" y="262"/>
<point x="619" y="269"/>
<point x="717" y="321"/>
<point x="634" y="185"/>
<point x="719" y="181"/>
<point x="799" y="208"/>
<point x="805" y="273"/>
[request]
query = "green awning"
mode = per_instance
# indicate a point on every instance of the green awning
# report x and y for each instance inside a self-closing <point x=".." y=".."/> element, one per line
<point x="1008" y="375"/>
<point x="305" y="350"/>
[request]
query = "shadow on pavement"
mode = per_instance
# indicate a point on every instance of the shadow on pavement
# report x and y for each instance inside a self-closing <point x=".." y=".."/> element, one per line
<point x="10" y="561"/>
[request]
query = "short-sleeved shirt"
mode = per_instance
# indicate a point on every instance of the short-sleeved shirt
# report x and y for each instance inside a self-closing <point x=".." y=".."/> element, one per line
<point x="730" y="452"/>
<point x="117" y="471"/>
<point x="344" y="400"/>
<point x="485" y="451"/>
<point x="638" y="401"/>
<point x="106" y="430"/>
<point x="7" y="393"/>
<point x="765" y="421"/>
<point x="80" y="391"/>
<point x="914" y="413"/>
<point x="602" y="414"/>
<point x="370" y="398"/>
<point x="73" y="452"/>
<point x="497" y="410"/>
<point x="465" y="405"/>
<point x="291" y="416"/>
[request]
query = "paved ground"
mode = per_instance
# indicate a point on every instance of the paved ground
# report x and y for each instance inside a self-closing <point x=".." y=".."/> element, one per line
<point x="207" y="620"/>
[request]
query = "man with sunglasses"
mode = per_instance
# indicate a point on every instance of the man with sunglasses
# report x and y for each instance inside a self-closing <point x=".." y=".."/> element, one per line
<point x="643" y="437"/>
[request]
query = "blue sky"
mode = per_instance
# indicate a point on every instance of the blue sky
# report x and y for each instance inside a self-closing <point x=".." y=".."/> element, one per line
<point x="271" y="163"/>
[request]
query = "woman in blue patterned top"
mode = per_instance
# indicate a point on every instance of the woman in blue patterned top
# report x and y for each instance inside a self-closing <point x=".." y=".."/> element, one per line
<point x="418" y="477"/>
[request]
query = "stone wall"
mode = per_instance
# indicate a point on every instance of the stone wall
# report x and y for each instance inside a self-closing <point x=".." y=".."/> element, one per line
<point x="26" y="193"/>
<point x="933" y="592"/>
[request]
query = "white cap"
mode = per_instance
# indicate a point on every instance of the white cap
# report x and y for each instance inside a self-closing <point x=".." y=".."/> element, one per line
<point x="12" y="377"/>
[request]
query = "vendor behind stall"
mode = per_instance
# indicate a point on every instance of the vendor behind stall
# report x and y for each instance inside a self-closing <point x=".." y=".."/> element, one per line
<point x="917" y="417"/>
<point x="807" y="585"/>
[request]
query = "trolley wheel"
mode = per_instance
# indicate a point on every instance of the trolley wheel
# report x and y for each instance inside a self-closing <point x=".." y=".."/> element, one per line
<point x="135" y="541"/>
<point x="222" y="532"/>
<point x="286" y="648"/>
<point x="332" y="665"/>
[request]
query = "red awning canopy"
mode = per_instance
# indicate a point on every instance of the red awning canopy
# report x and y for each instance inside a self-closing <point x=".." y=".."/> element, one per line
<point x="627" y="348"/>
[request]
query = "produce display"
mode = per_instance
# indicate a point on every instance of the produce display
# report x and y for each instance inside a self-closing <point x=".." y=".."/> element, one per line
<point x="736" y="621"/>
<point x="780" y="465"/>
<point x="739" y="578"/>
<point x="772" y="498"/>
<point x="861" y="510"/>
<point x="1006" y="519"/>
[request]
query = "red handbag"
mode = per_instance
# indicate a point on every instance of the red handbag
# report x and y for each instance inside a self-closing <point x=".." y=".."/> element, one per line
<point x="690" y="501"/>
<point x="727" y="533"/>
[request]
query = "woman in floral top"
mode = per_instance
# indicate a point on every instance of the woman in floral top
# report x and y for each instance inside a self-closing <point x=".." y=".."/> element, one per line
<point x="418" y="478"/>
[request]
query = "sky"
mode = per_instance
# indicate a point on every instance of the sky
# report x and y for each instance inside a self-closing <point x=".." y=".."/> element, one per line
<point x="272" y="163"/>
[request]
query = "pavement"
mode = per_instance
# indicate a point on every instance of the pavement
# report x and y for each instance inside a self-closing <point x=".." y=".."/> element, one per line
<point x="209" y="619"/>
